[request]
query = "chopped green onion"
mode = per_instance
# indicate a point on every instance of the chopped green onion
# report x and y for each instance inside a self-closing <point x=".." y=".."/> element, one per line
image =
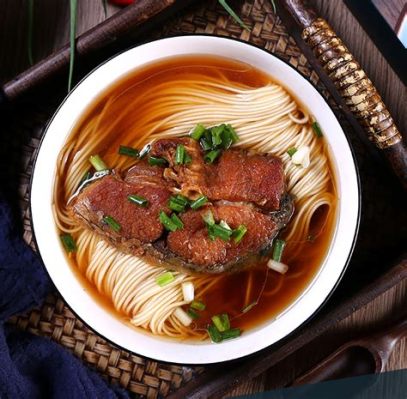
<point x="183" y="200"/>
<point x="177" y="221"/>
<point x="211" y="156"/>
<point x="221" y="232"/>
<point x="112" y="223"/>
<point x="176" y="205"/>
<point x="187" y="158"/>
<point x="128" y="151"/>
<point x="278" y="250"/>
<point x="239" y="233"/>
<point x="225" y="225"/>
<point x="167" y="222"/>
<point x="198" y="305"/>
<point x="154" y="161"/>
<point x="202" y="200"/>
<point x="192" y="314"/>
<point x="211" y="235"/>
<point x="182" y="316"/>
<point x="232" y="133"/>
<point x="227" y="140"/>
<point x="97" y="163"/>
<point x="216" y="132"/>
<point x="233" y="14"/>
<point x="136" y="199"/>
<point x="208" y="218"/>
<point x="179" y="154"/>
<point x="68" y="242"/>
<point x="214" y="334"/>
<point x="291" y="151"/>
<point x="206" y="146"/>
<point x="221" y="322"/>
<point x="197" y="131"/>
<point x="317" y="129"/>
<point x="164" y="279"/>
<point x="250" y="306"/>
<point x="230" y="334"/>
<point x="144" y="151"/>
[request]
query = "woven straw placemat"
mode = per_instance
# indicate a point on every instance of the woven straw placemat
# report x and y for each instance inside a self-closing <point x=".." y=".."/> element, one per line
<point x="141" y="376"/>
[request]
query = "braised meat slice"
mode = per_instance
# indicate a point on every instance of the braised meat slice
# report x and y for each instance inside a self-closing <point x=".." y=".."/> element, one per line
<point x="108" y="196"/>
<point x="238" y="175"/>
<point x="193" y="249"/>
<point x="243" y="188"/>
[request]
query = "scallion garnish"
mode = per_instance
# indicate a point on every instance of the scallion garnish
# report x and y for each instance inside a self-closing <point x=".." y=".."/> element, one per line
<point x="291" y="151"/>
<point x="97" y="163"/>
<point x="278" y="250"/>
<point x="225" y="225"/>
<point x="214" y="334"/>
<point x="154" y="161"/>
<point x="187" y="158"/>
<point x="197" y="131"/>
<point x="232" y="133"/>
<point x="128" y="151"/>
<point x="144" y="151"/>
<point x="315" y="126"/>
<point x="179" y="154"/>
<point x="200" y="201"/>
<point x="217" y="134"/>
<point x="68" y="243"/>
<point x="177" y="221"/>
<point x="205" y="144"/>
<point x="198" y="305"/>
<point x="221" y="322"/>
<point x="232" y="333"/>
<point x="192" y="314"/>
<point x="183" y="200"/>
<point x="218" y="231"/>
<point x="239" y="233"/>
<point x="164" y="279"/>
<point x="208" y="218"/>
<point x="167" y="222"/>
<point x="176" y="205"/>
<point x="138" y="200"/>
<point x="211" y="156"/>
<point x="112" y="223"/>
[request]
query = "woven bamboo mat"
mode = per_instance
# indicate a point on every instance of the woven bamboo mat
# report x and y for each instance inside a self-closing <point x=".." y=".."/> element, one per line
<point x="141" y="376"/>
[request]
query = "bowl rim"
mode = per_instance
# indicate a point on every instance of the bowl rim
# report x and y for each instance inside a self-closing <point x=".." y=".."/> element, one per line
<point x="159" y="340"/>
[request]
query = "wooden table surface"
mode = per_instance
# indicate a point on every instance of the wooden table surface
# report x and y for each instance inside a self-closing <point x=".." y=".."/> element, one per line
<point x="51" y="20"/>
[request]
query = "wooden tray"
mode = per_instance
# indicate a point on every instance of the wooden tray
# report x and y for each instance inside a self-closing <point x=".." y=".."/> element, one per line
<point x="377" y="263"/>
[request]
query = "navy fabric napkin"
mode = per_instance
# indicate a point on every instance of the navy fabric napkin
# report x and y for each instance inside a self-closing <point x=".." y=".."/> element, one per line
<point x="32" y="366"/>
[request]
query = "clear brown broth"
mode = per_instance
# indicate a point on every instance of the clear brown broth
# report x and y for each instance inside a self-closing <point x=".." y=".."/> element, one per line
<point x="230" y="295"/>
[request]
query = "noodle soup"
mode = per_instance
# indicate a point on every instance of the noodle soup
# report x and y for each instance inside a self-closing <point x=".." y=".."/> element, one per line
<point x="167" y="99"/>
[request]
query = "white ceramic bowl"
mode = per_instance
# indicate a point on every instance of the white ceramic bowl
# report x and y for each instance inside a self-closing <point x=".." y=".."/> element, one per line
<point x="107" y="324"/>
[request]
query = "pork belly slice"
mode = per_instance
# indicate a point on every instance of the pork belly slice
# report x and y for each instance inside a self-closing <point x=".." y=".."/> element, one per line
<point x="237" y="176"/>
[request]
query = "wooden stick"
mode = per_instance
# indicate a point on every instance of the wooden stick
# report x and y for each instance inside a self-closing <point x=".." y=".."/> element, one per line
<point x="129" y="20"/>
<point x="353" y="86"/>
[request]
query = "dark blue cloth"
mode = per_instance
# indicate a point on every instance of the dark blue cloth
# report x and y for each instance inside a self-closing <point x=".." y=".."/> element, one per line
<point x="32" y="366"/>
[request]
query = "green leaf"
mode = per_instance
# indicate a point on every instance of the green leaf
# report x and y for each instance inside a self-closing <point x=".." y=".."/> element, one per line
<point x="274" y="6"/>
<point x="233" y="14"/>
<point x="30" y="31"/>
<point x="104" y="2"/>
<point x="72" y="34"/>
